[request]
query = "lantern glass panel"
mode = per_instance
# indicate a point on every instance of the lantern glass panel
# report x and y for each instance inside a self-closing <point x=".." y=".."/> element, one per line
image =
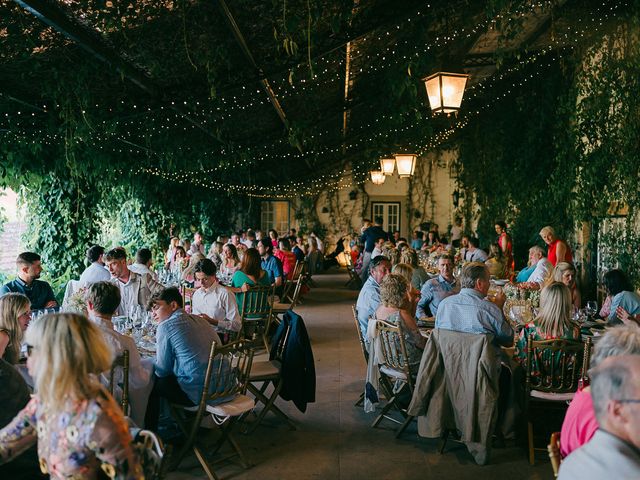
<point x="387" y="165"/>
<point x="406" y="164"/>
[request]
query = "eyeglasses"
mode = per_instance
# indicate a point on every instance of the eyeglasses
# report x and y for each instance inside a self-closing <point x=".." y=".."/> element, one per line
<point x="29" y="350"/>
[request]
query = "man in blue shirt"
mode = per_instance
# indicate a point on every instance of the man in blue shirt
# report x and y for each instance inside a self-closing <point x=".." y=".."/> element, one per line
<point x="417" y="241"/>
<point x="437" y="289"/>
<point x="369" y="297"/>
<point x="183" y="344"/>
<point x="469" y="312"/>
<point x="270" y="264"/>
<point x="29" y="269"/>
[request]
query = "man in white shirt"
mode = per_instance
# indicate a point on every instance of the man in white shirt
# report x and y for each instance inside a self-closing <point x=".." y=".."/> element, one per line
<point x="197" y="245"/>
<point x="96" y="272"/>
<point x="135" y="289"/>
<point x="102" y="301"/>
<point x="377" y="249"/>
<point x="144" y="260"/>
<point x="213" y="302"/>
<point x="543" y="266"/>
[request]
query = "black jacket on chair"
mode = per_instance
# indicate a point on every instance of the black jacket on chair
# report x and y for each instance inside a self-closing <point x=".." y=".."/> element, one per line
<point x="298" y="370"/>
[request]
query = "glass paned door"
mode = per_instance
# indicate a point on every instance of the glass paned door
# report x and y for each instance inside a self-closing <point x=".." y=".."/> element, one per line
<point x="275" y="214"/>
<point x="390" y="213"/>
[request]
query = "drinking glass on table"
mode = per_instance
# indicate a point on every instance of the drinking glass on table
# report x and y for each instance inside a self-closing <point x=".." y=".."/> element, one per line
<point x="591" y="308"/>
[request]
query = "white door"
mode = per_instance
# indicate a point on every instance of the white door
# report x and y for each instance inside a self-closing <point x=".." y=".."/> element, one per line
<point x="390" y="213"/>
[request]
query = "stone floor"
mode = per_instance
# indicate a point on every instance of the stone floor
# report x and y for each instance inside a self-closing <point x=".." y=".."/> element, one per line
<point x="334" y="439"/>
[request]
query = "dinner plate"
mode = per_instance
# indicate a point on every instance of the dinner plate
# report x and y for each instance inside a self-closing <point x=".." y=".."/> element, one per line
<point x="500" y="283"/>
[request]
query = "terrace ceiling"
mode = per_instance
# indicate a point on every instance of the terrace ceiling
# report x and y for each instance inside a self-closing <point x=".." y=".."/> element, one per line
<point x="271" y="92"/>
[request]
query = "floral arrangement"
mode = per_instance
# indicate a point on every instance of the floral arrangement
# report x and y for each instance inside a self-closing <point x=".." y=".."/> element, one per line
<point x="523" y="291"/>
<point x="78" y="301"/>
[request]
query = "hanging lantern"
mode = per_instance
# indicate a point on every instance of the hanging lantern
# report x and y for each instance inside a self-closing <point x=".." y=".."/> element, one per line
<point x="406" y="164"/>
<point x="377" y="177"/>
<point x="387" y="165"/>
<point x="445" y="91"/>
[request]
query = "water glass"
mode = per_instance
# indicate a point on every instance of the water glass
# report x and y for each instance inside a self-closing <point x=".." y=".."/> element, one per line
<point x="591" y="308"/>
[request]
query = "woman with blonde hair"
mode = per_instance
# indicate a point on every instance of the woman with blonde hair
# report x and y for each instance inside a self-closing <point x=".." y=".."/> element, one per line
<point x="399" y="307"/>
<point x="566" y="273"/>
<point x="188" y="274"/>
<point x="420" y="275"/>
<point x="553" y="320"/>
<point x="215" y="253"/>
<point x="15" y="313"/>
<point x="78" y="427"/>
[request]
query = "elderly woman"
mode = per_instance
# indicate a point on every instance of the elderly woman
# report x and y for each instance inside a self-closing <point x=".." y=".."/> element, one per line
<point x="558" y="251"/>
<point x="580" y="421"/>
<point x="79" y="428"/>
<point x="625" y="301"/>
<point x="15" y="313"/>
<point x="553" y="321"/>
<point x="398" y="306"/>
<point x="566" y="273"/>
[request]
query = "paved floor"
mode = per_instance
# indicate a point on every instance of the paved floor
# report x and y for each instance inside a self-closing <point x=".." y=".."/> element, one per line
<point x="334" y="439"/>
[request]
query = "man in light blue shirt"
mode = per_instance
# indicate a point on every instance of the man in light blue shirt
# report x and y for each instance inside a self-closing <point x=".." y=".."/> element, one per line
<point x="473" y="253"/>
<point x="437" y="289"/>
<point x="369" y="297"/>
<point x="469" y="312"/>
<point x="183" y="343"/>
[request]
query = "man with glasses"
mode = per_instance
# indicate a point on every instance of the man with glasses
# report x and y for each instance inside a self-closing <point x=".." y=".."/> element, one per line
<point x="39" y="292"/>
<point x="213" y="302"/>
<point x="437" y="289"/>
<point x="614" y="450"/>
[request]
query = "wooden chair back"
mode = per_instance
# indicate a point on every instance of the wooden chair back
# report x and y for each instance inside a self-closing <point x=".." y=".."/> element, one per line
<point x="121" y="362"/>
<point x="559" y="363"/>
<point x="187" y="294"/>
<point x="518" y="312"/>
<point x="256" y="311"/>
<point x="365" y="353"/>
<point x="554" y="453"/>
<point x="586" y="359"/>
<point x="393" y="348"/>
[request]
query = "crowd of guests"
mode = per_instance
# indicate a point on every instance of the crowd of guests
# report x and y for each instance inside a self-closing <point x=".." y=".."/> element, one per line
<point x="605" y="417"/>
<point x="78" y="426"/>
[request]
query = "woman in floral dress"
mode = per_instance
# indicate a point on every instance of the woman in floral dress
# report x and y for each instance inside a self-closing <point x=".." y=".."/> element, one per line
<point x="77" y="425"/>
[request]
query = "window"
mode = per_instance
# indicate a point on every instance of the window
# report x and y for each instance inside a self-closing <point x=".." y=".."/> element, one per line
<point x="275" y="214"/>
<point x="390" y="213"/>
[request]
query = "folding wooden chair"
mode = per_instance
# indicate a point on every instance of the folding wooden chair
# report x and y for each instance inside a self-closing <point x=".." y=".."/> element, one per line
<point x="554" y="453"/>
<point x="223" y="397"/>
<point x="187" y="293"/>
<point x="269" y="372"/>
<point x="363" y="347"/>
<point x="394" y="369"/>
<point x="121" y="362"/>
<point x="280" y="308"/>
<point x="256" y="312"/>
<point x="152" y="453"/>
<point x="290" y="284"/>
<point x="354" y="279"/>
<point x="560" y="365"/>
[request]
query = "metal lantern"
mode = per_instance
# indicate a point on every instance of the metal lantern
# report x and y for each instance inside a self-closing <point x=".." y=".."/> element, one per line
<point x="406" y="164"/>
<point x="445" y="91"/>
<point x="377" y="177"/>
<point x="387" y="165"/>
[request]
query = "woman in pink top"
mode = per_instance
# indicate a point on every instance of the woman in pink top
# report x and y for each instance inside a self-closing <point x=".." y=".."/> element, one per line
<point x="580" y="420"/>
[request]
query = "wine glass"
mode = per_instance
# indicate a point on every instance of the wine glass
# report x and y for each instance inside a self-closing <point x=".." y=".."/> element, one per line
<point x="591" y="308"/>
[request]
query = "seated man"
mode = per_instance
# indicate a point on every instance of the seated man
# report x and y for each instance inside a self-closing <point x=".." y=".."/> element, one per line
<point x="182" y="355"/>
<point x="270" y="264"/>
<point x="142" y="265"/>
<point x="96" y="272"/>
<point x="543" y="269"/>
<point x="469" y="312"/>
<point x="103" y="299"/>
<point x="29" y="269"/>
<point x="614" y="450"/>
<point x="436" y="289"/>
<point x="213" y="302"/>
<point x="135" y="289"/>
<point x="369" y="297"/>
<point x="473" y="253"/>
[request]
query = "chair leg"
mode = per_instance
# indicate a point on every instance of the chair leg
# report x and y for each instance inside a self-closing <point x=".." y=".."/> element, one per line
<point x="205" y="464"/>
<point x="443" y="442"/>
<point x="404" y="426"/>
<point x="360" y="401"/>
<point x="383" y="414"/>
<point x="269" y="405"/>
<point x="532" y="457"/>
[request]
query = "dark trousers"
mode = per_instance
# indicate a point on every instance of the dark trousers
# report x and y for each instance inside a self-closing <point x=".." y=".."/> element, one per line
<point x="164" y="387"/>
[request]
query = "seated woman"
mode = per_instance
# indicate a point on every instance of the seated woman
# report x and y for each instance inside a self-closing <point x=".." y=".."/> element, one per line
<point x="580" y="423"/>
<point x="286" y="256"/>
<point x="398" y="306"/>
<point x="15" y="314"/>
<point x="622" y="295"/>
<point x="249" y="275"/>
<point x="553" y="321"/>
<point x="230" y="260"/>
<point x="497" y="262"/>
<point x="566" y="273"/>
<point x="215" y="253"/>
<point x="79" y="428"/>
<point x="180" y="260"/>
<point x="410" y="257"/>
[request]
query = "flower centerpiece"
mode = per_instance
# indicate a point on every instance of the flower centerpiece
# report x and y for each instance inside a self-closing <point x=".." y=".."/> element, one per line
<point x="77" y="302"/>
<point x="523" y="291"/>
